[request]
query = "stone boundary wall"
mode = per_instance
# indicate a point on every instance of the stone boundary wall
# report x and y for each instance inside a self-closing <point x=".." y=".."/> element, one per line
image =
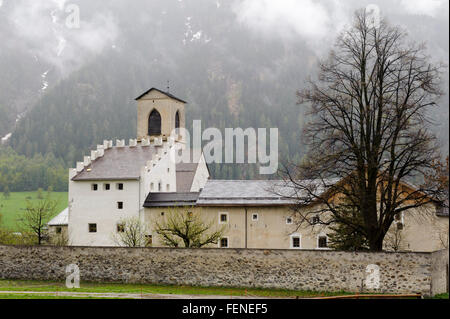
<point x="425" y="273"/>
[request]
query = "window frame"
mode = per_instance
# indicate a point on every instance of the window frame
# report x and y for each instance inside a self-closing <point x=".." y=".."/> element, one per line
<point x="92" y="225"/>
<point x="318" y="241"/>
<point x="94" y="187"/>
<point x="291" y="221"/>
<point x="120" y="205"/>
<point x="220" y="217"/>
<point x="219" y="243"/>
<point x="120" y="227"/>
<point x="119" y="186"/>
<point x="257" y="217"/>
<point x="106" y="186"/>
<point x="291" y="239"/>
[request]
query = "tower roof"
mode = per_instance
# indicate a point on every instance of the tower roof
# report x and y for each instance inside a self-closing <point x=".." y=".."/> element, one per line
<point x="162" y="92"/>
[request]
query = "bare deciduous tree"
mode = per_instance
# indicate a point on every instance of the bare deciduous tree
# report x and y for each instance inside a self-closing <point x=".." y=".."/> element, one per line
<point x="131" y="232"/>
<point x="369" y="128"/>
<point x="180" y="226"/>
<point x="36" y="216"/>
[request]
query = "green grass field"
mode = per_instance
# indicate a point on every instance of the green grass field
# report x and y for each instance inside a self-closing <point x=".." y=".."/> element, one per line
<point x="12" y="208"/>
<point x="48" y="286"/>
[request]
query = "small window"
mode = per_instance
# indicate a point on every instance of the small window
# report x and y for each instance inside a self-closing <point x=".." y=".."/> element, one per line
<point x="289" y="220"/>
<point x="159" y="187"/>
<point x="148" y="240"/>
<point x="315" y="220"/>
<point x="322" y="242"/>
<point x="255" y="217"/>
<point x="106" y="187"/>
<point x="152" y="186"/>
<point x="58" y="230"/>
<point x="168" y="187"/>
<point x="295" y="241"/>
<point x="120" y="186"/>
<point x="398" y="216"/>
<point x="223" y="218"/>
<point x="92" y="228"/>
<point x="399" y="226"/>
<point x="223" y="242"/>
<point x="162" y="213"/>
<point x="120" y="205"/>
<point x="120" y="228"/>
<point x="168" y="169"/>
<point x="94" y="187"/>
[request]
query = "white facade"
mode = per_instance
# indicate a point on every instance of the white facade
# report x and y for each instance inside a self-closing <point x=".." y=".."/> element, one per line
<point x="147" y="164"/>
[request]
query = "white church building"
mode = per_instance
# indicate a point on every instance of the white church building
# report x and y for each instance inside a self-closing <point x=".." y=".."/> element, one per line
<point x="114" y="181"/>
<point x="144" y="179"/>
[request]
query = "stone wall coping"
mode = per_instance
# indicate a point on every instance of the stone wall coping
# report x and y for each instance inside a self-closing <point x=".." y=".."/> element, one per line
<point x="320" y="251"/>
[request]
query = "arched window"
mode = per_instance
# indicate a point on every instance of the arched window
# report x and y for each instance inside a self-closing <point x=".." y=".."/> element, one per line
<point x="177" y="122"/>
<point x="154" y="123"/>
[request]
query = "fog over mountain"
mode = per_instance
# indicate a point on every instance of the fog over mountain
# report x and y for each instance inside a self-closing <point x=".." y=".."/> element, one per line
<point x="238" y="64"/>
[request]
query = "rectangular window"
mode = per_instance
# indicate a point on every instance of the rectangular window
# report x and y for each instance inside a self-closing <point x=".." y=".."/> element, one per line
<point x="255" y="217"/>
<point x="106" y="187"/>
<point x="94" y="187"/>
<point x="223" y="218"/>
<point x="120" y="186"/>
<point x="315" y="220"/>
<point x="92" y="228"/>
<point x="120" y="205"/>
<point x="168" y="187"/>
<point x="223" y="242"/>
<point x="120" y="228"/>
<point x="295" y="241"/>
<point x="289" y="220"/>
<point x="322" y="242"/>
<point x="58" y="230"/>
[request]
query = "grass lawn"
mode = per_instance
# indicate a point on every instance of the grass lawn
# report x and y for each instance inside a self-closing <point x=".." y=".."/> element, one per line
<point x="19" y="285"/>
<point x="12" y="207"/>
<point x="44" y="296"/>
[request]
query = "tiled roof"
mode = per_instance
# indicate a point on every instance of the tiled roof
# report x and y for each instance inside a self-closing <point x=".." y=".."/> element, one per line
<point x="62" y="219"/>
<point x="117" y="163"/>
<point x="170" y="199"/>
<point x="165" y="93"/>
<point x="185" y="176"/>
<point x="254" y="192"/>
<point x="243" y="192"/>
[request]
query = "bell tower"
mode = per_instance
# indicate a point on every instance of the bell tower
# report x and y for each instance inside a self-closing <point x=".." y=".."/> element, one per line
<point x="159" y="113"/>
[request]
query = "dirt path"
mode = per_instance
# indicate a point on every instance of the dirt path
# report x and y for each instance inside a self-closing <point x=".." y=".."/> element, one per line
<point x="127" y="295"/>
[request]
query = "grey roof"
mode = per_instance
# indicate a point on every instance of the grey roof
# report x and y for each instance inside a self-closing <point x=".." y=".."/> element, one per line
<point x="256" y="192"/>
<point x="160" y="91"/>
<point x="170" y="199"/>
<point x="118" y="163"/>
<point x="62" y="219"/>
<point x="185" y="176"/>
<point x="243" y="192"/>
